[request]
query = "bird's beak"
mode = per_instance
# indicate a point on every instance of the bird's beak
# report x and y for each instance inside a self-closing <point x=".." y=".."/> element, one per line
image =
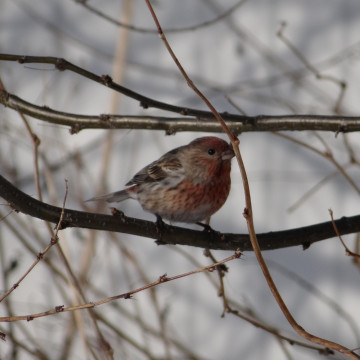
<point x="228" y="154"/>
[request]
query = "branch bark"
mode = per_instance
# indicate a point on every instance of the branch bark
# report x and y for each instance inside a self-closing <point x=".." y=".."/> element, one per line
<point x="174" y="235"/>
<point x="201" y="120"/>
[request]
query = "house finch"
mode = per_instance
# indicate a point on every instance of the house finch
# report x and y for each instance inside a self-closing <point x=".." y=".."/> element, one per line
<point x="187" y="184"/>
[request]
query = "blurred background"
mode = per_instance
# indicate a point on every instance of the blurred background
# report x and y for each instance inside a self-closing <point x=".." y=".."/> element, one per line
<point x="242" y="65"/>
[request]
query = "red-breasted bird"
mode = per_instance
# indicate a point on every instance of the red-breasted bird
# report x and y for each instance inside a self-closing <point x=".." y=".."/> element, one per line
<point x="187" y="184"/>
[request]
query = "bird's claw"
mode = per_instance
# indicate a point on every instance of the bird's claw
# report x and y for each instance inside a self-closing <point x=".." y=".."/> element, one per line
<point x="160" y="226"/>
<point x="207" y="228"/>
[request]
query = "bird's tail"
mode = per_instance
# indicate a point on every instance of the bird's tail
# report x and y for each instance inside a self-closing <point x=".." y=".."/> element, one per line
<point x="113" y="197"/>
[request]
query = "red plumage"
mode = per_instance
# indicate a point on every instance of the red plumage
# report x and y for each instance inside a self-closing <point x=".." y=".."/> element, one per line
<point x="187" y="184"/>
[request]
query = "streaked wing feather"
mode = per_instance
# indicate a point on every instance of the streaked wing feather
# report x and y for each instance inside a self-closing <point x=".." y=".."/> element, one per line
<point x="158" y="170"/>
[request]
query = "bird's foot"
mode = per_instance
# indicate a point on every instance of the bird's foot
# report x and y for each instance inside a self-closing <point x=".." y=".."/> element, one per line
<point x="208" y="228"/>
<point x="117" y="212"/>
<point x="160" y="226"/>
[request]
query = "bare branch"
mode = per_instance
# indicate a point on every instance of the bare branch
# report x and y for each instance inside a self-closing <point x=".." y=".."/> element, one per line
<point x="204" y="122"/>
<point x="128" y="295"/>
<point x="173" y="235"/>
<point x="138" y="29"/>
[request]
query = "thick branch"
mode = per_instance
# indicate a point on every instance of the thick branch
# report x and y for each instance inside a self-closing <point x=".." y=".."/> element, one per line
<point x="174" y="235"/>
<point x="171" y="125"/>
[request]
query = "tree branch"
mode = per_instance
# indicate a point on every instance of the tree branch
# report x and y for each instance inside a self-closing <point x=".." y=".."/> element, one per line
<point x="236" y="123"/>
<point x="171" y="125"/>
<point x="174" y="235"/>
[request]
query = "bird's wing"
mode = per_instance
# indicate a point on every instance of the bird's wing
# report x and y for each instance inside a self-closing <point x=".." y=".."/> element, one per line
<point x="168" y="166"/>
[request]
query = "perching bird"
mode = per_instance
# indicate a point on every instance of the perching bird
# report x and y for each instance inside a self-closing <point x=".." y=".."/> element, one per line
<point x="187" y="184"/>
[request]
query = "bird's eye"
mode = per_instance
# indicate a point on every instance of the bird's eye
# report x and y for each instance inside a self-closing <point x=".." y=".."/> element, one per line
<point x="211" y="151"/>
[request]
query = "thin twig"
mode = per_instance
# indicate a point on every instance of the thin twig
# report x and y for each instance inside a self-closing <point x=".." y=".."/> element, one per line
<point x="314" y="189"/>
<point x="168" y="30"/>
<point x="128" y="295"/>
<point x="342" y="84"/>
<point x="300" y="330"/>
<point x="248" y="214"/>
<point x="327" y="155"/>
<point x="40" y="256"/>
<point x="348" y="251"/>
<point x="190" y="83"/>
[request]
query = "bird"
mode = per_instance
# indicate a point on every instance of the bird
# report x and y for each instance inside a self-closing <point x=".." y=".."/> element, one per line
<point x="187" y="184"/>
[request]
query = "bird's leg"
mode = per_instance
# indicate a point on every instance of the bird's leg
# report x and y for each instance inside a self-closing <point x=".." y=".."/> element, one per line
<point x="160" y="226"/>
<point x="213" y="234"/>
<point x="117" y="212"/>
<point x="207" y="228"/>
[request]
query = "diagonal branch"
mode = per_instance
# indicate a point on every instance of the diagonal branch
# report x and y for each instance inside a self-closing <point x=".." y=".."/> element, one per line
<point x="248" y="211"/>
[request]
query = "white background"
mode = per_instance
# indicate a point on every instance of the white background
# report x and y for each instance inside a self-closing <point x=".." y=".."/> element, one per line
<point x="239" y="57"/>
